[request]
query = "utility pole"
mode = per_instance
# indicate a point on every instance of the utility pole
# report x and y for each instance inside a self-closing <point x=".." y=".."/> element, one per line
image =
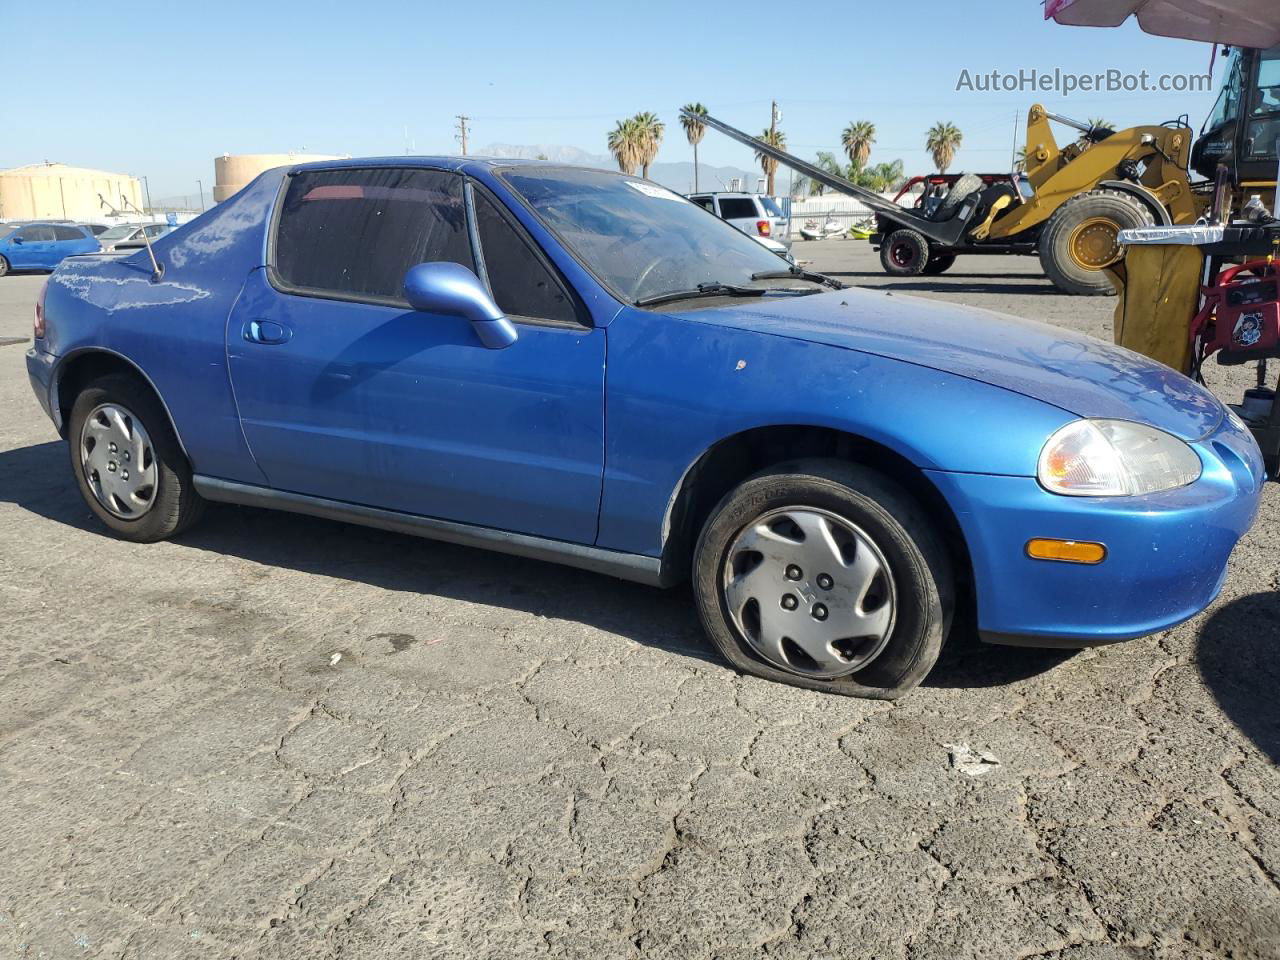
<point x="201" y="186"/>
<point x="462" y="131"/>
<point x="1013" y="165"/>
<point x="774" y="117"/>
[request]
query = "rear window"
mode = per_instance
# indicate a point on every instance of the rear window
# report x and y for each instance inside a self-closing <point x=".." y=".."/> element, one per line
<point x="355" y="233"/>
<point x="738" y="208"/>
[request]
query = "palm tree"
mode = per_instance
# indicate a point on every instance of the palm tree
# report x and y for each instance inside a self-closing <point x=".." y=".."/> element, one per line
<point x="649" y="132"/>
<point x="943" y="141"/>
<point x="774" y="138"/>
<point x="624" y="144"/>
<point x="881" y="177"/>
<point x="1098" y="124"/>
<point x="826" y="161"/>
<point x="857" y="139"/>
<point x="694" y="129"/>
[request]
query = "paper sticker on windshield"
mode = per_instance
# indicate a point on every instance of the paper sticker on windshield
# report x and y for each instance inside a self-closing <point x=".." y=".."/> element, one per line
<point x="650" y="190"/>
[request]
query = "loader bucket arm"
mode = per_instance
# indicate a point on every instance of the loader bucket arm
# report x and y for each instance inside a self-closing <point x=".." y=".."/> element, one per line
<point x="946" y="232"/>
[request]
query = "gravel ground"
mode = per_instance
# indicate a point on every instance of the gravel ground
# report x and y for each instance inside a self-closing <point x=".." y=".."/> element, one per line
<point x="282" y="737"/>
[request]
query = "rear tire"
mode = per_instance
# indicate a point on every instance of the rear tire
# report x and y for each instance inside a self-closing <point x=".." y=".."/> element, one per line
<point x="904" y="253"/>
<point x="1079" y="240"/>
<point x="914" y="573"/>
<point x="939" y="264"/>
<point x="164" y="507"/>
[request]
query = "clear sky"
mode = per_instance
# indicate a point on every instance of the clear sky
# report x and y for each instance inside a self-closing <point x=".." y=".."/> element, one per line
<point x="159" y="90"/>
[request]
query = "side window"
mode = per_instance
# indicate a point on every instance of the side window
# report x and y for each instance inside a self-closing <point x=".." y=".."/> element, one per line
<point x="738" y="208"/>
<point x="67" y="233"/>
<point x="1227" y="107"/>
<point x="522" y="284"/>
<point x="357" y="232"/>
<point x="704" y="203"/>
<point x="1263" y="137"/>
<point x="36" y="234"/>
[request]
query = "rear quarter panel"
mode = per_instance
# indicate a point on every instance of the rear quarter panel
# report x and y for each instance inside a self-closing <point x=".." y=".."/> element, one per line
<point x="173" y="330"/>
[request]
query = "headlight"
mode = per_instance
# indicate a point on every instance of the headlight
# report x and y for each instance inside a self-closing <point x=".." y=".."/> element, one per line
<point x="1115" y="458"/>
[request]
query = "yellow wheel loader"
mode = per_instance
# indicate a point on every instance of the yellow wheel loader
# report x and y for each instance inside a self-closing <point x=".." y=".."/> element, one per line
<point x="1068" y="206"/>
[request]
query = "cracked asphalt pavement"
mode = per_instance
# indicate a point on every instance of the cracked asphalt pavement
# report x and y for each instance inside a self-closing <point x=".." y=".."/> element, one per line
<point x="283" y="738"/>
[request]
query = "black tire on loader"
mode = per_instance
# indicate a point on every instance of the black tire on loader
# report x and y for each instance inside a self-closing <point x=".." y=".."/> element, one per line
<point x="1079" y="241"/>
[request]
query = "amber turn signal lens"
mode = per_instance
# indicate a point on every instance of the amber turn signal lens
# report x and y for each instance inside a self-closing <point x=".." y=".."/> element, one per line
<point x="1068" y="551"/>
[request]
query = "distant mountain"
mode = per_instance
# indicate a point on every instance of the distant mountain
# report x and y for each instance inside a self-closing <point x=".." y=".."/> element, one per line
<point x="676" y="176"/>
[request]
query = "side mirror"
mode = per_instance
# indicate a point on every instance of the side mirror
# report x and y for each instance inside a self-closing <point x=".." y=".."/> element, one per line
<point x="18" y="240"/>
<point x="453" y="290"/>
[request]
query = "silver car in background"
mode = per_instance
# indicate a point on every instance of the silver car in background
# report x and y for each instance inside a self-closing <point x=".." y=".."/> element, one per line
<point x="754" y="214"/>
<point x="131" y="236"/>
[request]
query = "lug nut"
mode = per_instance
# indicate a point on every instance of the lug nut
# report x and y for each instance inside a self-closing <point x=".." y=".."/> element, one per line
<point x="819" y="612"/>
<point x="794" y="572"/>
<point x="789" y="601"/>
<point x="113" y="447"/>
<point x="824" y="581"/>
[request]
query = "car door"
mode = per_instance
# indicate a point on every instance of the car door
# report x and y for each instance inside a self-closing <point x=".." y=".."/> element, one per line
<point x="346" y="393"/>
<point x="32" y="248"/>
<point x="69" y="241"/>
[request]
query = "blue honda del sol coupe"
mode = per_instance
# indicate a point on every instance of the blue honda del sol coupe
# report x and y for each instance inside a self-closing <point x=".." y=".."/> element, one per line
<point x="583" y="367"/>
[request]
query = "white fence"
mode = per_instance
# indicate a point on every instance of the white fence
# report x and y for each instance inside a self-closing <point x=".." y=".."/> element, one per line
<point x="836" y="206"/>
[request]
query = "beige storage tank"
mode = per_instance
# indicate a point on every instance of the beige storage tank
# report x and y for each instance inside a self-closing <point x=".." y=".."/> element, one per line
<point x="231" y="173"/>
<point x="55" y="191"/>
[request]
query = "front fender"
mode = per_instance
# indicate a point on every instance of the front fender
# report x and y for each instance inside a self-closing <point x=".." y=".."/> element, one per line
<point x="677" y="387"/>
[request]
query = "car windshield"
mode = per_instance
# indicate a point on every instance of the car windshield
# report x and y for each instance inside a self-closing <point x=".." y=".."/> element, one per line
<point x="8" y="230"/>
<point x="117" y="233"/>
<point x="641" y="240"/>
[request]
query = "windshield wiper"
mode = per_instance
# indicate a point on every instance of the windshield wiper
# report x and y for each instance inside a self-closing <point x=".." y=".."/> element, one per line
<point x="799" y="274"/>
<point x="714" y="289"/>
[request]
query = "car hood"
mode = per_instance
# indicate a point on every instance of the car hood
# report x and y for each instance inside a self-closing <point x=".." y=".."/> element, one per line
<point x="1077" y="373"/>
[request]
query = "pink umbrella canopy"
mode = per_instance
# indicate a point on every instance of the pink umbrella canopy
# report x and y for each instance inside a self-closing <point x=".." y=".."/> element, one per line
<point x="1244" y="23"/>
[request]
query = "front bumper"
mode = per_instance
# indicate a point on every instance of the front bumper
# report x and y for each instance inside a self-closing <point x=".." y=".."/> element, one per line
<point x="1166" y="553"/>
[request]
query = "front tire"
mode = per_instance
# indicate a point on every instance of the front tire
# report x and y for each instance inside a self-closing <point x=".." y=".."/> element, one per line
<point x="826" y="575"/>
<point x="1080" y="240"/>
<point x="127" y="461"/>
<point x="904" y="253"/>
<point x="4" y="266"/>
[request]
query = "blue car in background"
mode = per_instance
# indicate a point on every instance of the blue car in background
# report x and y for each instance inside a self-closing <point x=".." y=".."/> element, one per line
<point x="42" y="246"/>
<point x="584" y="367"/>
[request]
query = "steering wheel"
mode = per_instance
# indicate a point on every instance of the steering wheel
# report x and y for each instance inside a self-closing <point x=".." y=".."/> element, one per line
<point x="644" y="274"/>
